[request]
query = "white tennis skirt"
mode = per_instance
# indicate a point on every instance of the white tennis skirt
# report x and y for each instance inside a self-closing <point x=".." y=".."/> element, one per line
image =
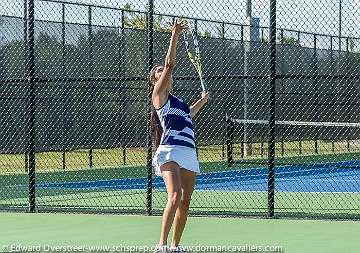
<point x="185" y="157"/>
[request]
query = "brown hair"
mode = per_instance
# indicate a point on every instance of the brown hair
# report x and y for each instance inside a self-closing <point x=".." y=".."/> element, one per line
<point x="156" y="128"/>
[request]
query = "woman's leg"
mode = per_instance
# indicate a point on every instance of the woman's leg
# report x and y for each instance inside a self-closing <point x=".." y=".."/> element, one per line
<point x="171" y="174"/>
<point x="187" y="186"/>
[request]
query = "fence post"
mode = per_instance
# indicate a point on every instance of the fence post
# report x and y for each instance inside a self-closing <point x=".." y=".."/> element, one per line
<point x="64" y="96"/>
<point x="272" y="83"/>
<point x="247" y="148"/>
<point x="150" y="62"/>
<point x="338" y="98"/>
<point x="333" y="135"/>
<point x="26" y="158"/>
<point x="316" y="85"/>
<point x="31" y="103"/>
<point x="346" y="66"/>
<point x="281" y="132"/>
<point x="121" y="48"/>
<point x="93" y="99"/>
<point x="223" y="50"/>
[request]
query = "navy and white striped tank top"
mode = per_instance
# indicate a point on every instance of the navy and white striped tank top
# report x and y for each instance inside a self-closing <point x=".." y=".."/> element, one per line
<point x="176" y="122"/>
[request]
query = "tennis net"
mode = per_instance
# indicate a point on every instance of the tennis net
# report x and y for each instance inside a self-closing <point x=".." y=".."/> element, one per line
<point x="297" y="142"/>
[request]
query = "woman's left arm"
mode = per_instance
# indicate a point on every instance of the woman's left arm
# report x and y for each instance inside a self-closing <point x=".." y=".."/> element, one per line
<point x="195" y="108"/>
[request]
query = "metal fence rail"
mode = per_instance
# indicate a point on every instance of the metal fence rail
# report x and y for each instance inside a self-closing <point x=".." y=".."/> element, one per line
<point x="75" y="106"/>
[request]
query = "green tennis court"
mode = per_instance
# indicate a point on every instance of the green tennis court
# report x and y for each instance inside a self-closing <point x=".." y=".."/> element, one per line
<point x="330" y="190"/>
<point x="292" y="236"/>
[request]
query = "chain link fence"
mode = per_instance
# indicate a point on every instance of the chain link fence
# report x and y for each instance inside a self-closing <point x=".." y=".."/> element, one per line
<point x="280" y="135"/>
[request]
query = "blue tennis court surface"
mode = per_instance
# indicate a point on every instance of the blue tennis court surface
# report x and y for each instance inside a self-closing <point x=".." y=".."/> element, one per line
<point x="329" y="177"/>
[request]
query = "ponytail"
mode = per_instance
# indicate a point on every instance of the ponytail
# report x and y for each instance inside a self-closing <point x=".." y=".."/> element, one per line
<point x="156" y="128"/>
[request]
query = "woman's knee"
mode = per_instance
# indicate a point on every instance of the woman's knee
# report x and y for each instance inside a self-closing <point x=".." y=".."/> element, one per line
<point x="174" y="197"/>
<point x="185" y="202"/>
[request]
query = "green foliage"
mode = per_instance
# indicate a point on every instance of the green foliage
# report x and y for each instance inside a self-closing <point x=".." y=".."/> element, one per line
<point x="289" y="41"/>
<point x="206" y="34"/>
<point x="159" y="26"/>
<point x="138" y="20"/>
<point x="13" y="58"/>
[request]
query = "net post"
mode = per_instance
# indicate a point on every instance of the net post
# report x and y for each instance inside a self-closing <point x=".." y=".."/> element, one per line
<point x="30" y="67"/>
<point x="123" y="147"/>
<point x="229" y="135"/>
<point x="90" y="157"/>
<point x="242" y="148"/>
<point x="272" y="90"/>
<point x="150" y="61"/>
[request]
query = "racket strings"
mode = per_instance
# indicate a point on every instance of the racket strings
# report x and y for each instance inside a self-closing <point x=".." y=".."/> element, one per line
<point x="194" y="56"/>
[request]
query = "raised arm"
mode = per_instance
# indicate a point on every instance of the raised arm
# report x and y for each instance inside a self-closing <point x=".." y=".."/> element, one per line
<point x="195" y="108"/>
<point x="162" y="86"/>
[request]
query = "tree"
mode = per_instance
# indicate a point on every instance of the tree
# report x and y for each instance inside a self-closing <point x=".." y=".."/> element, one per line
<point x="205" y="34"/>
<point x="138" y="20"/>
<point x="289" y="40"/>
<point x="13" y="60"/>
<point x="48" y="55"/>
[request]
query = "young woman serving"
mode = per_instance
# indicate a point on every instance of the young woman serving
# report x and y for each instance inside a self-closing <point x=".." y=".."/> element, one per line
<point x="173" y="136"/>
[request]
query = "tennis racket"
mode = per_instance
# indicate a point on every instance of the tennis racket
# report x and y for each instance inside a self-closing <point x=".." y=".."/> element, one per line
<point x="193" y="52"/>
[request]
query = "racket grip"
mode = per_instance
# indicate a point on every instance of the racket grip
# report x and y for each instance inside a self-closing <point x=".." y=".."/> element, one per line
<point x="203" y="85"/>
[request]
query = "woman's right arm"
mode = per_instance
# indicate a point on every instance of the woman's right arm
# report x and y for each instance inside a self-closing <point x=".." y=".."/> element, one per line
<point x="161" y="89"/>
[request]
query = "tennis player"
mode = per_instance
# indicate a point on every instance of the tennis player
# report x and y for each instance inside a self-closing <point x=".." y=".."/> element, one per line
<point x="173" y="137"/>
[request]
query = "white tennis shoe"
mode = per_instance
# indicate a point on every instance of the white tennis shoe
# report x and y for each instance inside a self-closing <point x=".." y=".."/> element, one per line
<point x="177" y="249"/>
<point x="162" y="249"/>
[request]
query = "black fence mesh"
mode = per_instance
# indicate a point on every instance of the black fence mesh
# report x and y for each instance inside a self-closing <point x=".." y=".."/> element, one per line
<point x="74" y="132"/>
